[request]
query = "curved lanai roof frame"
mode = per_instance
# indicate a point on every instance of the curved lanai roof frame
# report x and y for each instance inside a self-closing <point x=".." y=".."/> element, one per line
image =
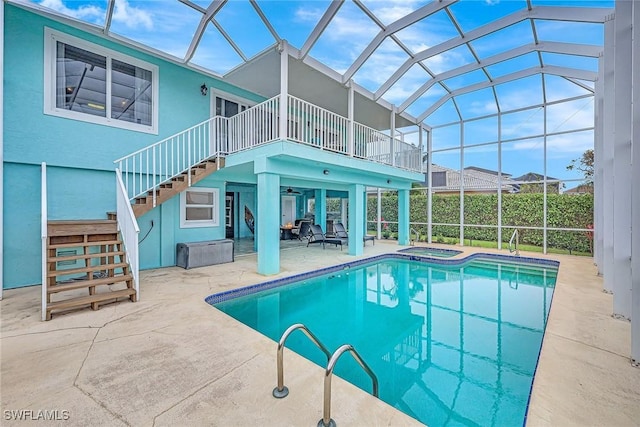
<point x="419" y="65"/>
<point x="424" y="58"/>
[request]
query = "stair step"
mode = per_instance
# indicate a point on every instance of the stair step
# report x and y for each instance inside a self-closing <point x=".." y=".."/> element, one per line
<point x="84" y="244"/>
<point x="91" y="268"/>
<point x="81" y="227"/>
<point x="79" y="284"/>
<point x="84" y="256"/>
<point x="89" y="299"/>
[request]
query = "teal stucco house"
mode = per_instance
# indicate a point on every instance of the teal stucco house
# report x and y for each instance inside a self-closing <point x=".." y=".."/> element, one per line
<point x="115" y="153"/>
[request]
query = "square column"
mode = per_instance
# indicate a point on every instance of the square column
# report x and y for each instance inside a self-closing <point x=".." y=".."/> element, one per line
<point x="403" y="217"/>
<point x="321" y="210"/>
<point x="608" y="117"/>
<point x="622" y="162"/>
<point x="356" y="219"/>
<point x="635" y="182"/>
<point x="267" y="220"/>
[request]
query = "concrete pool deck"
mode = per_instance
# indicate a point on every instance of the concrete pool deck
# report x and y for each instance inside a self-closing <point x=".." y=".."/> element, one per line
<point x="171" y="359"/>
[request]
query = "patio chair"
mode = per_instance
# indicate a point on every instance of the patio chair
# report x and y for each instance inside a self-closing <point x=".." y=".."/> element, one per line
<point x="302" y="232"/>
<point x="316" y="235"/>
<point x="342" y="233"/>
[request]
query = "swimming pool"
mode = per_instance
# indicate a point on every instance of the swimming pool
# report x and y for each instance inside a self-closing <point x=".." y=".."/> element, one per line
<point x="426" y="251"/>
<point x="451" y="342"/>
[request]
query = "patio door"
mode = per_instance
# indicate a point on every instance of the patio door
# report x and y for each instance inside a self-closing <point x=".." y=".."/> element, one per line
<point x="226" y="105"/>
<point x="288" y="209"/>
<point x="229" y="217"/>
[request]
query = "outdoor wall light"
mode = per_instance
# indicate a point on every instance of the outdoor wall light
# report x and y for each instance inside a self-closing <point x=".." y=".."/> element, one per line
<point x="204" y="89"/>
<point x="326" y="171"/>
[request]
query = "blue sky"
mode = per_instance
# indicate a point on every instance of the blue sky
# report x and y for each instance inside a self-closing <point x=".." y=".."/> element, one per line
<point x="169" y="26"/>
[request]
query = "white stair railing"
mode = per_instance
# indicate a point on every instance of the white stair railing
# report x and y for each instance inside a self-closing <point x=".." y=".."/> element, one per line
<point x="44" y="219"/>
<point x="129" y="230"/>
<point x="146" y="168"/>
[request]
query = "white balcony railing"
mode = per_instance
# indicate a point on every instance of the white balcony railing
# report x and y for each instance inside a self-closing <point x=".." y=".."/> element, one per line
<point x="308" y="124"/>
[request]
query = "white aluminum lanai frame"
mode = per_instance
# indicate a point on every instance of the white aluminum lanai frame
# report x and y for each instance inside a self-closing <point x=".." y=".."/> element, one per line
<point x="615" y="88"/>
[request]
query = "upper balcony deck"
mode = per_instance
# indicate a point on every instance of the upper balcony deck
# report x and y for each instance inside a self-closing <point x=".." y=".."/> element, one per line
<point x="261" y="124"/>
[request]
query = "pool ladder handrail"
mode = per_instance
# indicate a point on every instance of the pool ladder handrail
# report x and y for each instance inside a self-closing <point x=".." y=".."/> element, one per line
<point x="515" y="235"/>
<point x="326" y="420"/>
<point x="413" y="230"/>
<point x="282" y="391"/>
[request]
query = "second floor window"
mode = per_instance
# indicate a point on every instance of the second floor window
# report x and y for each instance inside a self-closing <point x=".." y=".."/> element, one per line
<point x="90" y="83"/>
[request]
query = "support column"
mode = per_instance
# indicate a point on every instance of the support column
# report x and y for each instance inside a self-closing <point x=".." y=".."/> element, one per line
<point x="321" y="209"/>
<point x="284" y="89"/>
<point x="622" y="162"/>
<point x="607" y="158"/>
<point x="379" y="213"/>
<point x="635" y="208"/>
<point x="393" y="137"/>
<point x="429" y="188"/>
<point x="356" y="219"/>
<point x="598" y="175"/>
<point x="403" y="217"/>
<point x="267" y="221"/>
<point x="2" y="150"/>
<point x="499" y="180"/>
<point x="350" y="133"/>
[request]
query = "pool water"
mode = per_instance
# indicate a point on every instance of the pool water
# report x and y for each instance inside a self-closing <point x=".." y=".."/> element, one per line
<point x="433" y="252"/>
<point x="453" y="344"/>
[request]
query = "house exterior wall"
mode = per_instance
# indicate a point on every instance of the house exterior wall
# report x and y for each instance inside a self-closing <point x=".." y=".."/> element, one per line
<point x="80" y="155"/>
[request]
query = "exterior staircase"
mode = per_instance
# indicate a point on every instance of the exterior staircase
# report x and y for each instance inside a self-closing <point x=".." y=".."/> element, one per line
<point x="86" y="265"/>
<point x="176" y="185"/>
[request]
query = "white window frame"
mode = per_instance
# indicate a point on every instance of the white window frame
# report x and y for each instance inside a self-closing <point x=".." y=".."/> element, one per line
<point x="214" y="222"/>
<point x="242" y="102"/>
<point x="51" y="38"/>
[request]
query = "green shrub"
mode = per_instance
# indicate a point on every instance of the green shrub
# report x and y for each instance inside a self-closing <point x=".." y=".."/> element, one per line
<point x="518" y="211"/>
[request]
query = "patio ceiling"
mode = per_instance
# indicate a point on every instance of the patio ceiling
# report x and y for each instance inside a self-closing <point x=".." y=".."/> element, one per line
<point x="423" y="57"/>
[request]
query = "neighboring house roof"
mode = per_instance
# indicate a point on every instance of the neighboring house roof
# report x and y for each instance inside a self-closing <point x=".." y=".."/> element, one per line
<point x="487" y="171"/>
<point x="532" y="176"/>
<point x="580" y="189"/>
<point x="474" y="179"/>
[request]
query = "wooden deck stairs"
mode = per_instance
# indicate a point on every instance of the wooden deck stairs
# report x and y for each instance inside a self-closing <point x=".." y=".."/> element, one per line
<point x="86" y="259"/>
<point x="176" y="185"/>
<point x="86" y="265"/>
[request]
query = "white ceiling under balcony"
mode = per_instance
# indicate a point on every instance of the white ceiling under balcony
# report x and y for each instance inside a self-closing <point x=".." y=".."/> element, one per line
<point x="436" y="61"/>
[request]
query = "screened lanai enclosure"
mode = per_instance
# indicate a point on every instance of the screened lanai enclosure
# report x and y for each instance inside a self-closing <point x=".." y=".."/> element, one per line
<point x="525" y="110"/>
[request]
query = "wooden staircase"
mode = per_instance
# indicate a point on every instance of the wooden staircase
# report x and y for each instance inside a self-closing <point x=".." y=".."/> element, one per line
<point x="86" y="265"/>
<point x="176" y="185"/>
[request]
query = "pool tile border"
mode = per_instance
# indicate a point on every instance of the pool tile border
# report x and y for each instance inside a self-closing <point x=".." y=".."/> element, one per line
<point x="251" y="289"/>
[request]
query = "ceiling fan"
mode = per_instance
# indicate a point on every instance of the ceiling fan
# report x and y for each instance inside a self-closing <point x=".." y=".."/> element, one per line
<point x="290" y="191"/>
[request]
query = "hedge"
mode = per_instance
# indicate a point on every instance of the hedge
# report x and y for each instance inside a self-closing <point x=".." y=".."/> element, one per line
<point x="518" y="210"/>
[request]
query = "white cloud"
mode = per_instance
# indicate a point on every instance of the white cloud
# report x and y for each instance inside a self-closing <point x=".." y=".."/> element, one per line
<point x="88" y="13"/>
<point x="131" y="16"/>
<point x="306" y="14"/>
